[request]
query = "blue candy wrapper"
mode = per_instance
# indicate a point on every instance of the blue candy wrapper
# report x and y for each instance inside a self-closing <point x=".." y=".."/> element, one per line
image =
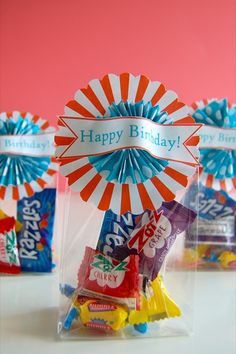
<point x="35" y="238"/>
<point x="217" y="222"/>
<point x="116" y="230"/>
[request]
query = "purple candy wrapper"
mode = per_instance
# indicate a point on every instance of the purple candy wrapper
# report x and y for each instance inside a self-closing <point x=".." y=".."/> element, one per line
<point x="153" y="236"/>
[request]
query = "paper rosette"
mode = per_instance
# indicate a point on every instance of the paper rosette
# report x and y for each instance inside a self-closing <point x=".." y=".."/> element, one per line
<point x="22" y="175"/>
<point x="126" y="179"/>
<point x="218" y="165"/>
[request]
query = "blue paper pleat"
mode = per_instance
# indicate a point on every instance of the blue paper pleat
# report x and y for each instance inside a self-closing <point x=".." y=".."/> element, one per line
<point x="131" y="165"/>
<point x="219" y="162"/>
<point x="19" y="169"/>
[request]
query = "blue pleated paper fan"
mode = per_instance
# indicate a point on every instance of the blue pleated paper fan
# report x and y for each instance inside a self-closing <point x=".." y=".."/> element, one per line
<point x="131" y="165"/>
<point x="22" y="175"/>
<point x="219" y="165"/>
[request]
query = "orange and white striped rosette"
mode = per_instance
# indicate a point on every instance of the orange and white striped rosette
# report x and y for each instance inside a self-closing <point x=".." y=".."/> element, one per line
<point x="129" y="177"/>
<point x="27" y="161"/>
<point x="223" y="162"/>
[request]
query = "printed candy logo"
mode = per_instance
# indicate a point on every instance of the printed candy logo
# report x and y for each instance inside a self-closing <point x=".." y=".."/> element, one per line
<point x="105" y="273"/>
<point x="152" y="235"/>
<point x="162" y="232"/>
<point x="140" y="237"/>
<point x="7" y="247"/>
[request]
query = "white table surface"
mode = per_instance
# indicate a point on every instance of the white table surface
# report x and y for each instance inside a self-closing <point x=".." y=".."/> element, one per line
<point x="29" y="314"/>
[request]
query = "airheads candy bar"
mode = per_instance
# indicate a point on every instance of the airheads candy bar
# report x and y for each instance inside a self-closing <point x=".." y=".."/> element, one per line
<point x="106" y="278"/>
<point x="35" y="238"/>
<point x="9" y="260"/>
<point x="152" y="236"/>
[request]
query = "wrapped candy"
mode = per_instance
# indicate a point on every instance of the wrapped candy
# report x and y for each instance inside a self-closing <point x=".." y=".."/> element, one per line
<point x="216" y="229"/>
<point x="9" y="259"/>
<point x="106" y="278"/>
<point x="36" y="214"/>
<point x="155" y="305"/>
<point x="152" y="237"/>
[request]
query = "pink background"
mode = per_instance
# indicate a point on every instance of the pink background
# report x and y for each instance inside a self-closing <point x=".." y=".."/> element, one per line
<point x="50" y="48"/>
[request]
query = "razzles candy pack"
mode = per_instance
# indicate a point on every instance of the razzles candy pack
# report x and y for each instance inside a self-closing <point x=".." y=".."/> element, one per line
<point x="36" y="214"/>
<point x="127" y="146"/>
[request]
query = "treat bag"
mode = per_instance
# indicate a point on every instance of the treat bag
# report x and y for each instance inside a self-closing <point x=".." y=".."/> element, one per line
<point x="128" y="148"/>
<point x="216" y="202"/>
<point x="27" y="171"/>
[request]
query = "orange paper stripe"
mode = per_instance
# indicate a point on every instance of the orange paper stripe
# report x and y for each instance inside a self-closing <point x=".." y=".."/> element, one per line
<point x="173" y="106"/>
<point x="223" y="184"/>
<point x="41" y="182"/>
<point x="93" y="99"/>
<point x="145" y="199"/>
<point x="35" y="118"/>
<point x="69" y="160"/>
<point x="105" y="201"/>
<point x="166" y="194"/>
<point x="177" y="176"/>
<point x="159" y="93"/>
<point x="194" y="105"/>
<point x="124" y="86"/>
<point x="75" y="106"/>
<point x="209" y="181"/>
<point x="89" y="188"/>
<point x="185" y="120"/>
<point x="234" y="182"/>
<point x="63" y="140"/>
<point x="105" y="82"/>
<point x="28" y="189"/>
<point x="15" y="193"/>
<point x="51" y="172"/>
<point x="193" y="141"/>
<point x="74" y="176"/>
<point x="125" y="199"/>
<point x="2" y="192"/>
<point x="143" y="84"/>
<point x="45" y="125"/>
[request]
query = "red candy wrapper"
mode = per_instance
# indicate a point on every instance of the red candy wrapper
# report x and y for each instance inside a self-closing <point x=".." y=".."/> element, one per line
<point x="9" y="259"/>
<point x="105" y="278"/>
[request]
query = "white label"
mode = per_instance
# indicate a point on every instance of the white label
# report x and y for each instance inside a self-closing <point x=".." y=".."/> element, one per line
<point x="217" y="138"/>
<point x="29" y="145"/>
<point x="217" y="228"/>
<point x="95" y="137"/>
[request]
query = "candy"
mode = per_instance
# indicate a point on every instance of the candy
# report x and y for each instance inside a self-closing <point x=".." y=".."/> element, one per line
<point x="155" y="305"/>
<point x="152" y="236"/>
<point x="35" y="238"/>
<point x="228" y="259"/>
<point x="18" y="225"/>
<point x="9" y="259"/>
<point x="216" y="229"/>
<point x="106" y="278"/>
<point x="105" y="316"/>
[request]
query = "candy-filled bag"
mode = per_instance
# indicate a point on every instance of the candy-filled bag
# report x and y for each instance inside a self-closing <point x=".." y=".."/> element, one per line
<point x="27" y="175"/>
<point x="127" y="159"/>
<point x="216" y="200"/>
